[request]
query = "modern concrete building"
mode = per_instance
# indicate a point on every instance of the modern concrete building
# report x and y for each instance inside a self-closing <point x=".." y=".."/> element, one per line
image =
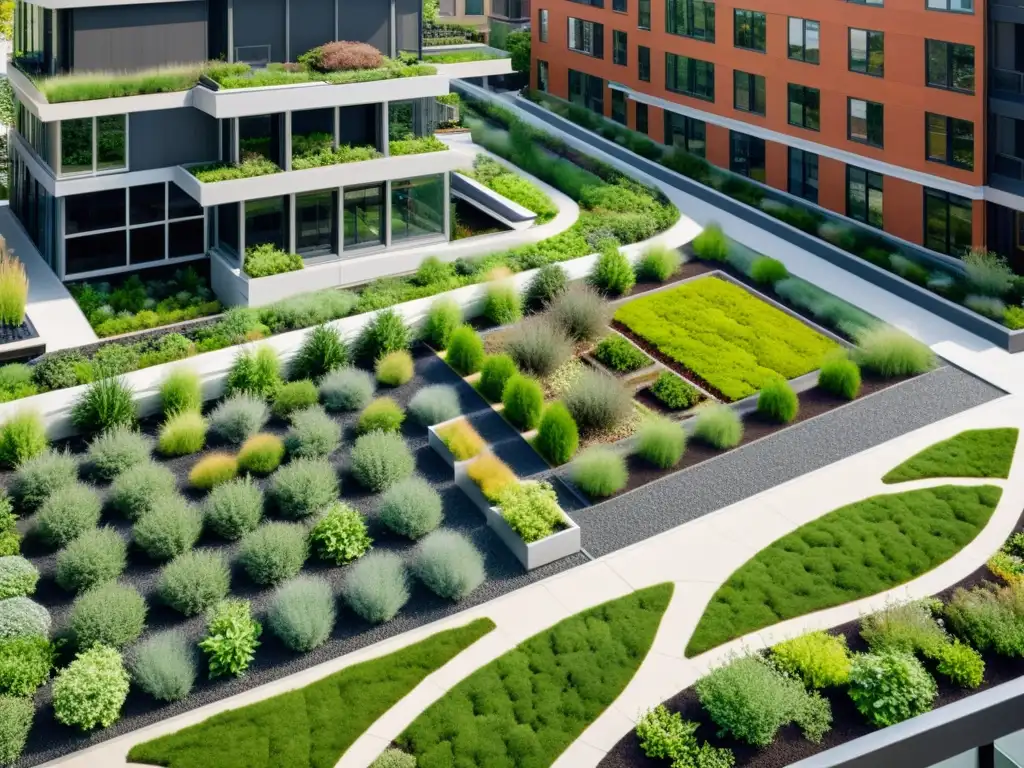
<point x="905" y="115"/>
<point x="105" y="179"/>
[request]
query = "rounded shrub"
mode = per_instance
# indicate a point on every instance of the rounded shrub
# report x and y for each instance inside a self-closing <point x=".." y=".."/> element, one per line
<point x="170" y="527"/>
<point x="135" y="490"/>
<point x="234" y="508"/>
<point x="91" y="690"/>
<point x="613" y="273"/>
<point x="550" y="281"/>
<point x="238" y="418"/>
<point x="889" y="352"/>
<point x="108" y="614"/>
<point x="598" y="403"/>
<point x="347" y="389"/>
<point x="778" y="402"/>
<point x="711" y="244"/>
<point x="376" y="587"/>
<point x="394" y="758"/>
<point x="502" y="305"/>
<point x="659" y="263"/>
<point x="180" y="391"/>
<point x="537" y="346"/>
<point x="261" y="454"/>
<point x="22" y="437"/>
<point x="40" y="476"/>
<point x="449" y="564"/>
<point x="599" y="471"/>
<point x="293" y="396"/>
<point x="382" y="415"/>
<point x="434" y="404"/>
<point x="381" y="459"/>
<point x="301" y="613"/>
<point x="230" y="641"/>
<point x="313" y="434"/>
<point x="164" y="665"/>
<point x="819" y="659"/>
<point x="273" y="552"/>
<point x="963" y="665"/>
<point x="661" y="442"/>
<point x="768" y="271"/>
<point x="386" y="333"/>
<point x="719" y="426"/>
<point x="890" y="687"/>
<point x="114" y="451"/>
<point x="395" y="368"/>
<point x="303" y="488"/>
<point x="494" y="374"/>
<point x="18" y="577"/>
<point x="322" y="351"/>
<point x="465" y="350"/>
<point x="443" y="317"/>
<point x="194" y="581"/>
<point x="212" y="470"/>
<point x="411" y="508"/>
<point x="254" y="371"/>
<point x="523" y="400"/>
<point x="94" y="557"/>
<point x="107" y="403"/>
<point x="16" y="716"/>
<point x="339" y="535"/>
<point x="581" y="312"/>
<point x="69" y="512"/>
<point x="23" y="617"/>
<point x="840" y="377"/>
<point x="557" y="437"/>
<point x="182" y="434"/>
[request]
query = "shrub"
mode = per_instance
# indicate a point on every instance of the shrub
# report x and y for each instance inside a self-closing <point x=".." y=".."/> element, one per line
<point x="313" y="434"/>
<point x="113" y="452"/>
<point x="18" y="577"/>
<point x="661" y="442"/>
<point x="264" y="260"/>
<point x="68" y="512"/>
<point x="719" y="426"/>
<point x="494" y="374"/>
<point x="180" y="391"/>
<point x="255" y="372"/>
<point x="231" y="637"/>
<point x="261" y="454"/>
<point x="531" y="510"/>
<point x="339" y="535"/>
<point x="667" y="735"/>
<point x="523" y="400"/>
<point x="581" y="312"/>
<point x="170" y="527"/>
<point x="193" y="581"/>
<point x="840" y="376"/>
<point x="293" y="396"/>
<point x="461" y="439"/>
<point x="16" y="716"/>
<point x="777" y="401"/>
<point x="618" y="354"/>
<point x="395" y="368"/>
<point x="301" y="612"/>
<point x="164" y="666"/>
<point x="182" y="434"/>
<point x="751" y="701"/>
<point x="557" y="437"/>
<point x="449" y="564"/>
<point x="344" y="55"/>
<point x="347" y="389"/>
<point x="382" y="415"/>
<point x="322" y="351"/>
<point x="411" y="508"/>
<point x="134" y="491"/>
<point x="384" y="334"/>
<point x="491" y="475"/>
<point x="212" y="470"/>
<point x="961" y="664"/>
<point x="465" y="350"/>
<point x="434" y="404"/>
<point x="107" y="403"/>
<point x="108" y="614"/>
<point x="381" y="459"/>
<point x="94" y="557"/>
<point x="819" y="659"/>
<point x="273" y="552"/>
<point x="989" y="306"/>
<point x="22" y="617"/>
<point x="613" y="273"/>
<point x="25" y="664"/>
<point x="598" y="402"/>
<point x="599" y="471"/>
<point x="988" y="272"/>
<point x="238" y="418"/>
<point x="549" y="282"/>
<point x="768" y="271"/>
<point x="376" y="587"/>
<point x="989" y="617"/>
<point x="889" y="352"/>
<point x="234" y="508"/>
<point x="303" y="487"/>
<point x="906" y="627"/>
<point x="394" y="758"/>
<point x="40" y="476"/>
<point x="537" y="346"/>
<point x="890" y="686"/>
<point x="22" y="437"/>
<point x="443" y="318"/>
<point x="91" y="690"/>
<point x="659" y="263"/>
<point x="502" y="305"/>
<point x="711" y="244"/>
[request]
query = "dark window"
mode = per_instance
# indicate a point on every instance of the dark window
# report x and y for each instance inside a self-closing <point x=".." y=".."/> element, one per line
<point x="185" y="238"/>
<point x="76" y="145"/>
<point x="746" y="155"/>
<point x="315" y="222"/>
<point x="595" y="3"/>
<point x="110" y="142"/>
<point x="227" y="228"/>
<point x="804" y="108"/>
<point x="803" y="174"/>
<point x="543" y="15"/>
<point x="146" y="244"/>
<point x="266" y="221"/>
<point x="146" y="204"/>
<point x="865" y="123"/>
<point x="748" y="92"/>
<point x="692" y="77"/>
<point x="691" y="18"/>
<point x="956" y="6"/>
<point x="542" y="75"/>
<point x="620" y="48"/>
<point x="94" y="210"/>
<point x="864" y="196"/>
<point x="587" y="91"/>
<point x="641" y="117"/>
<point x="586" y="37"/>
<point x="364" y="217"/>
<point x="686" y="133"/>
<point x="950" y="66"/>
<point x="950" y="141"/>
<point x="879" y="3"/>
<point x="643" y="19"/>
<point x="93" y="252"/>
<point x="180" y="205"/>
<point x="643" y="58"/>
<point x="620" y="6"/>
<point x="867" y="52"/>
<point x="947" y="222"/>
<point x="805" y="40"/>
<point x="619" y="106"/>
<point x="749" y="30"/>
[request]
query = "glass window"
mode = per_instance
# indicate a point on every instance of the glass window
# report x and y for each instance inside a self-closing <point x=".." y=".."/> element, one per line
<point x="185" y="238"/>
<point x="76" y="145"/>
<point x="803" y="174"/>
<point x="804" y="108"/>
<point x="266" y="221"/>
<point x="180" y="205"/>
<point x="691" y="77"/>
<point x="93" y="211"/>
<point x="748" y="92"/>
<point x="586" y="37"/>
<point x="364" y="217"/>
<point x="587" y="91"/>
<point x="227" y="228"/>
<point x="879" y="3"/>
<point x="542" y="75"/>
<point x="146" y="204"/>
<point x="686" y="133"/>
<point x="543" y="25"/>
<point x="950" y="66"/>
<point x="93" y="252"/>
<point x="619" y="106"/>
<point x="864" y="196"/>
<point x="950" y="141"/>
<point x="620" y="6"/>
<point x="256" y="136"/>
<point x="147" y="244"/>
<point x="643" y="20"/>
<point x="746" y="155"/>
<point x="947" y="222"/>
<point x="804" y="40"/>
<point x="315" y="222"/>
<point x="866" y="123"/>
<point x="956" y="6"/>
<point x="110" y="143"/>
<point x="749" y="30"/>
<point x="620" y="48"/>
<point x="641" y="117"/>
<point x="867" y="52"/>
<point x="417" y="207"/>
<point x="691" y="18"/>
<point x="643" y="57"/>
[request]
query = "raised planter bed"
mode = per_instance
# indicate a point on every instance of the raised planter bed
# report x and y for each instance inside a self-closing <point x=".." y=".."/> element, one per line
<point x="21" y="343"/>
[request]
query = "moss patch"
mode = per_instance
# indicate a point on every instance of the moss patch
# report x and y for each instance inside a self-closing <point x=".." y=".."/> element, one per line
<point x="973" y="453"/>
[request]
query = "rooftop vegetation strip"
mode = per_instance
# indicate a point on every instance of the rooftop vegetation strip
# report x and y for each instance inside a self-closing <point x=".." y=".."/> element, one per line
<point x="973" y="453"/>
<point x="459" y="57"/>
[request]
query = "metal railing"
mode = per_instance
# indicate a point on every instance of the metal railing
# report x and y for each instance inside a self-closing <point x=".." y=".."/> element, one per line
<point x="1007" y="81"/>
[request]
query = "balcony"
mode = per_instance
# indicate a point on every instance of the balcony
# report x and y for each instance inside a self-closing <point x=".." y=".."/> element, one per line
<point x="1006" y="84"/>
<point x="465" y="61"/>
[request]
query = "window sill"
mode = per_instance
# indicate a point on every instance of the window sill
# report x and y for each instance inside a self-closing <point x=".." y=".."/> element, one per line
<point x="879" y="76"/>
<point x="865" y="143"/>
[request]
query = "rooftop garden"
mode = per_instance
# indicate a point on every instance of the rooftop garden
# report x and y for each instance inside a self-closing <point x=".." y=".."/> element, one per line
<point x="460" y="57"/>
<point x="973" y="453"/>
<point x="510" y="184"/>
<point x="89" y="86"/>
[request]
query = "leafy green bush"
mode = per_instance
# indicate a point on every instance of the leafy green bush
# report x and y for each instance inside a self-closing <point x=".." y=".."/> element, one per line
<point x="22" y="437"/>
<point x="549" y="282"/>
<point x="94" y="557"/>
<point x="382" y="415"/>
<point x="411" y="508"/>
<point x="170" y="527"/>
<point x="494" y="374"/>
<point x="68" y="512"/>
<point x="322" y="351"/>
<point x="302" y="613"/>
<point x="961" y="664"/>
<point x="449" y="564"/>
<point x="598" y="403"/>
<point x="313" y="434"/>
<point x="442" y="319"/>
<point x="181" y="390"/>
<point x="659" y="263"/>
<point x="193" y="581"/>
<point x="989" y="617"/>
<point x="581" y="312"/>
<point x="256" y="371"/>
<point x="523" y="400"/>
<point x="18" y="577"/>
<point x="395" y="368"/>
<point x="908" y="627"/>
<point x="22" y="617"/>
<point x="719" y="426"/>
<point x="661" y="442"/>
<point x="768" y="271"/>
<point x="613" y="273"/>
<point x="212" y="470"/>
<point x="303" y="488"/>
<point x="557" y="436"/>
<point x="434" y="404"/>
<point x="819" y="659"/>
<point x="339" y="535"/>
<point x="238" y="418"/>
<point x="531" y="509"/>
<point x="16" y="715"/>
<point x="777" y="401"/>
<point x="265" y="259"/>
<point x="233" y="509"/>
<point x="619" y="355"/>
<point x="394" y="758"/>
<point x="537" y="346"/>
<point x="889" y="352"/>
<point x="890" y="686"/>
<point x="376" y="587"/>
<point x="599" y="471"/>
<point x="673" y="392"/>
<point x="347" y="389"/>
<point x="840" y="376"/>
<point x="384" y="334"/>
<point x="711" y="244"/>
<point x="108" y="614"/>
<point x="134" y="491"/>
<point x="183" y="433"/>
<point x="502" y="305"/>
<point x="465" y="350"/>
<point x="164" y="666"/>
<point x="40" y="476"/>
<point x="114" y="451"/>
<point x="261" y="454"/>
<point x="666" y="735"/>
<point x="91" y="690"/>
<point x="294" y="396"/>
<point x="25" y="664"/>
<point x="107" y="403"/>
<point x="231" y="637"/>
<point x="381" y="459"/>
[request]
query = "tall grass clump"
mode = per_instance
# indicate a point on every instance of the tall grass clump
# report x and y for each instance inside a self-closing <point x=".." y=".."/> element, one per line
<point x="443" y="318"/>
<point x="376" y="587"/>
<point x="13" y="288"/>
<point x="135" y="490"/>
<point x="988" y="272"/>
<point x="661" y="442"/>
<point x="194" y="581"/>
<point x="889" y="352"/>
<point x="840" y="376"/>
<point x="719" y="426"/>
<point x="40" y="476"/>
<point x="108" y="402"/>
<point x="238" y="418"/>
<point x="598" y="403"/>
<point x="599" y="471"/>
<point x="659" y="263"/>
<point x="778" y="402"/>
<point x="302" y="613"/>
<point x="613" y="274"/>
<point x="581" y="312"/>
<point x="449" y="564"/>
<point x="494" y="373"/>
<point x="537" y="346"/>
<point x="434" y="404"/>
<point x="549" y="282"/>
<point x="502" y="305"/>
<point x="465" y="350"/>
<point x="164" y="665"/>
<point x="711" y="244"/>
<point x="22" y="437"/>
<point x="322" y="351"/>
<point x="347" y="389"/>
<point x="386" y="333"/>
<point x="180" y="391"/>
<point x="255" y="372"/>
<point x="182" y="434"/>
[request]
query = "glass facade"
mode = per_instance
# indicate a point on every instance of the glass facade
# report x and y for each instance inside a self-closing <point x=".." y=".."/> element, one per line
<point x="316" y="223"/>
<point x="417" y="207"/>
<point x="266" y="221"/>
<point x="364" y="217"/>
<point x="91" y="145"/>
<point x="35" y="208"/>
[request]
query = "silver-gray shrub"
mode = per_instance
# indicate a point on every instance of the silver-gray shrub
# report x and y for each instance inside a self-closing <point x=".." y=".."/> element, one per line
<point x="238" y="418"/>
<point x="193" y="581"/>
<point x="598" y="403"/>
<point x="274" y="552"/>
<point x="381" y="459"/>
<point x="135" y="490"/>
<point x="347" y="389"/>
<point x="313" y="433"/>
<point x="40" y="476"/>
<point x="538" y="346"/>
<point x="434" y="404"/>
<point x="303" y="487"/>
<point x="989" y="306"/>
<point x="394" y="758"/>
<point x="581" y="312"/>
<point x="828" y="309"/>
<point x="449" y="564"/>
<point x="108" y="614"/>
<point x="94" y="557"/>
<point x="18" y="577"/>
<point x="23" y="617"/>
<point x="171" y="527"/>
<point x="411" y="508"/>
<point x="70" y="511"/>
<point x="376" y="587"/>
<point x="302" y="612"/>
<point x="234" y="508"/>
<point x="115" y="450"/>
<point x="164" y="665"/>
<point x="988" y="272"/>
